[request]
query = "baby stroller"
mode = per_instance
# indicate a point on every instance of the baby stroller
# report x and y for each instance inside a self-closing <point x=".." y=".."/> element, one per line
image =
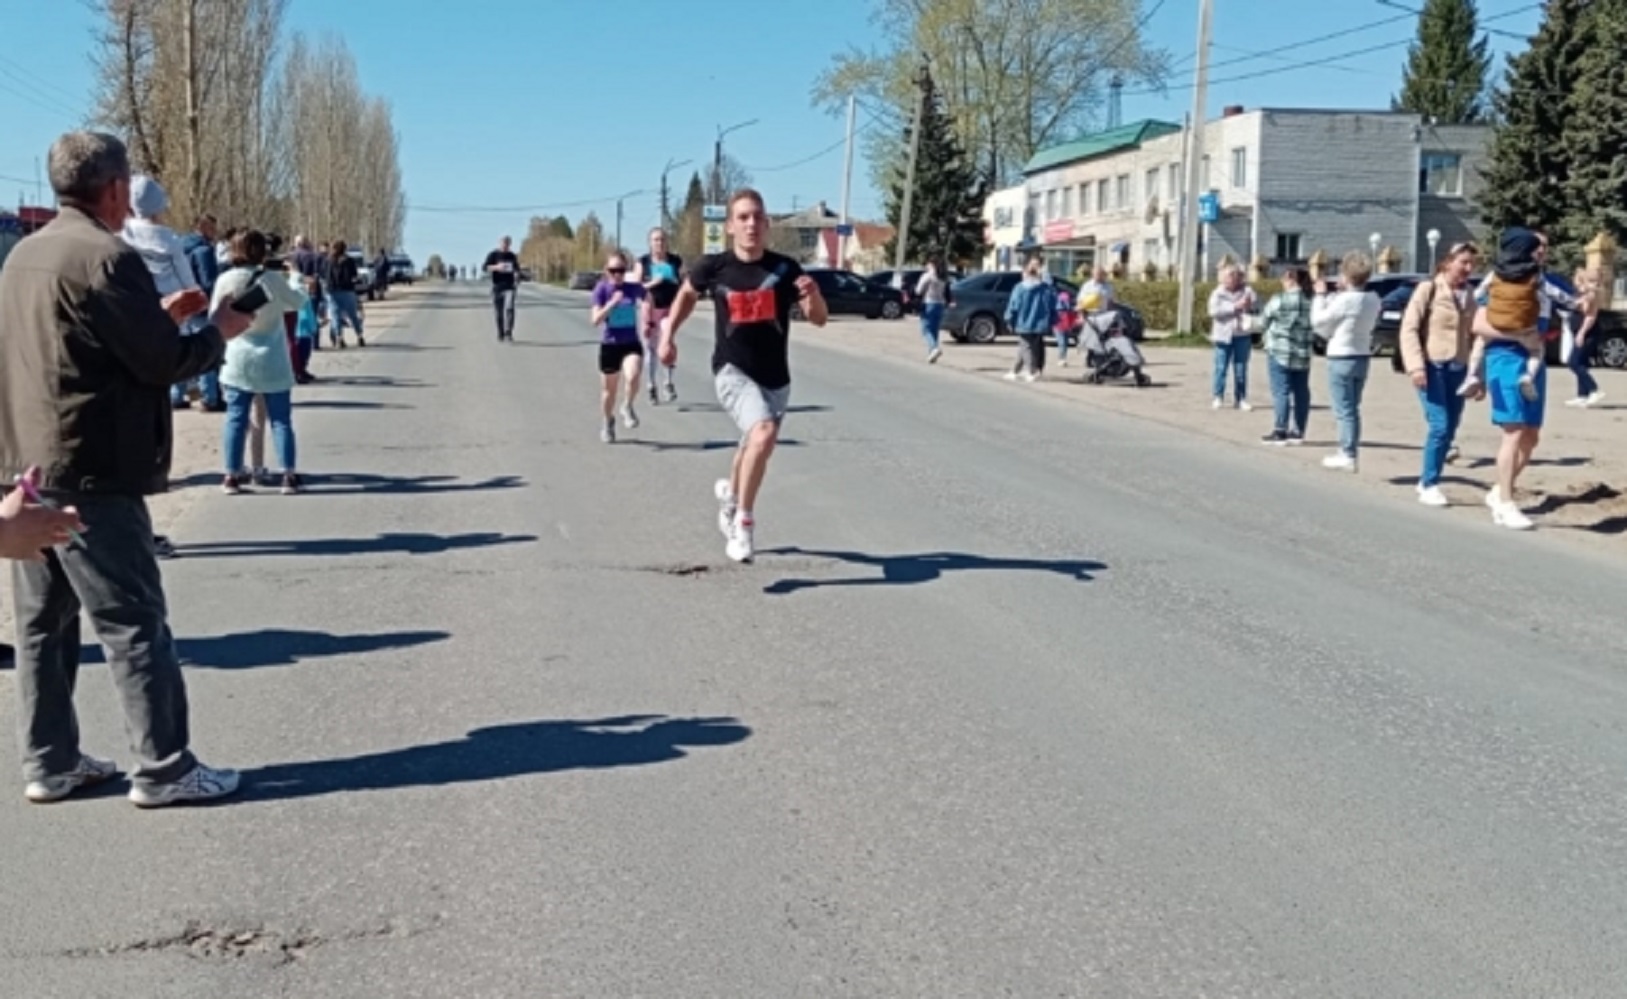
<point x="1109" y="351"/>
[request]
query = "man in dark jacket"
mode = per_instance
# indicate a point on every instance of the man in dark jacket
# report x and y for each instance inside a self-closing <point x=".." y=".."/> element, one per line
<point x="91" y="352"/>
<point x="201" y="253"/>
<point x="381" y="274"/>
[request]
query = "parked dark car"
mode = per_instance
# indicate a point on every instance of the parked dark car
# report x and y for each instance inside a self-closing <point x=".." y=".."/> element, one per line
<point x="584" y="280"/>
<point x="847" y="294"/>
<point x="977" y="309"/>
<point x="1609" y="340"/>
<point x="906" y="286"/>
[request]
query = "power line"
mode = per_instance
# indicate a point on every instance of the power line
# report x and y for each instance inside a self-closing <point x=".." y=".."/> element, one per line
<point x="42" y="84"/>
<point x="526" y="208"/>
<point x="839" y="143"/>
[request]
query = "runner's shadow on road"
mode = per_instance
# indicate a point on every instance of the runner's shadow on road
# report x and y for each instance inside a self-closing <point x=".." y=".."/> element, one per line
<point x="342" y="483"/>
<point x="925" y="567"/>
<point x="280" y="647"/>
<point x="715" y="445"/>
<point x="712" y="407"/>
<point x="372" y="381"/>
<point x="348" y="404"/>
<point x="384" y="544"/>
<point x="500" y="752"/>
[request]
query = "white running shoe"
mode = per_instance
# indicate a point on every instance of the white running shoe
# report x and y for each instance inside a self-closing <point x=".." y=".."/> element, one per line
<point x="1471" y="385"/>
<point x="1010" y="376"/>
<point x="1510" y="516"/>
<point x="740" y="547"/>
<point x="1030" y="377"/>
<point x="201" y="784"/>
<point x="1494" y="497"/>
<point x="933" y="355"/>
<point x="726" y="506"/>
<point x="1219" y="402"/>
<point x="1432" y="496"/>
<point x="88" y="772"/>
<point x="629" y="417"/>
<point x="1245" y="406"/>
<point x="1594" y="399"/>
<point x="1339" y="463"/>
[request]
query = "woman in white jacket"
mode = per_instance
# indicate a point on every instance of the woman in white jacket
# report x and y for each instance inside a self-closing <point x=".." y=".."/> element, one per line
<point x="1346" y="318"/>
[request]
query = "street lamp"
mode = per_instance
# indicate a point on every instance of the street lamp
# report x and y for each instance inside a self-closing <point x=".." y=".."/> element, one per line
<point x="717" y="159"/>
<point x="1433" y="236"/>
<point x="619" y="199"/>
<point x="1373" y="241"/>
<point x="666" y="217"/>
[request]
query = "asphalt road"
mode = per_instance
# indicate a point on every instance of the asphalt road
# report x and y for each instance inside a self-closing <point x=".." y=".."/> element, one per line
<point x="1020" y="699"/>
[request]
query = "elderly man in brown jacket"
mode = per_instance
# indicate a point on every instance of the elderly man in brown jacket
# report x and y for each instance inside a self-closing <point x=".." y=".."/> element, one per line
<point x="90" y="353"/>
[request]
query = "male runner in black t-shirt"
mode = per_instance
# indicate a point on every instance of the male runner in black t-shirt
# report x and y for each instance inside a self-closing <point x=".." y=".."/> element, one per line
<point x="660" y="272"/>
<point x="503" y="266"/>
<point x="752" y="290"/>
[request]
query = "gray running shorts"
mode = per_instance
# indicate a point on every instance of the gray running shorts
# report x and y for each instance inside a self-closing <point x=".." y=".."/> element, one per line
<point x="749" y="403"/>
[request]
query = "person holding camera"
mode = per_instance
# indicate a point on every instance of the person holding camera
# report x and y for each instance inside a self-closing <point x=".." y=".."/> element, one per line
<point x="1345" y="316"/>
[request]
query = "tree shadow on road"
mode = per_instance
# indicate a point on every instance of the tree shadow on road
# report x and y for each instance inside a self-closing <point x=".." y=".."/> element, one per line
<point x="499" y="752"/>
<point x="372" y="381"/>
<point x="353" y="482"/>
<point x="384" y="544"/>
<point x="925" y="567"/>
<point x="280" y="647"/>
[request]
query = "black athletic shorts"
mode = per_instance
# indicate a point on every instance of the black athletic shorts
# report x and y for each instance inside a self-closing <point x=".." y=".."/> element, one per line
<point x="612" y="354"/>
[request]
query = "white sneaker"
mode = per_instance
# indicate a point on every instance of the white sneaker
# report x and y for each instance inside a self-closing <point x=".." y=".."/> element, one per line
<point x="726" y="504"/>
<point x="88" y="772"/>
<point x="1010" y="376"/>
<point x="933" y="355"/>
<point x="1030" y="377"/>
<point x="1452" y="454"/>
<point x="1471" y="385"/>
<point x="1432" y="496"/>
<point x="740" y="547"/>
<point x="202" y="784"/>
<point x="1595" y="399"/>
<point x="1245" y="406"/>
<point x="1580" y="402"/>
<point x="1219" y="402"/>
<point x="629" y="417"/>
<point x="1339" y="463"/>
<point x="1510" y="516"/>
<point x="1062" y="363"/>
<point x="1494" y="497"/>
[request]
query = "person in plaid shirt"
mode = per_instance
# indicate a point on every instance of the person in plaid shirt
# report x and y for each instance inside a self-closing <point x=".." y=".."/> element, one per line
<point x="1288" y="356"/>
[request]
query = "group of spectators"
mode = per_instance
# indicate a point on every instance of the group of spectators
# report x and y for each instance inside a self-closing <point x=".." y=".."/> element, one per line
<point x="1458" y="341"/>
<point x="108" y="320"/>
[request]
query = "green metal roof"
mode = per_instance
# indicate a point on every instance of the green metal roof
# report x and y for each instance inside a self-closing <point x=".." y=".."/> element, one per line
<point x="1100" y="144"/>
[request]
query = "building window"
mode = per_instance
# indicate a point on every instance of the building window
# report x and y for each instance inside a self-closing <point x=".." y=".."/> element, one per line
<point x="1122" y="193"/>
<point x="1084" y="199"/>
<point x="1240" y="167"/>
<point x="1174" y="185"/>
<point x="1050" y="205"/>
<point x="1103" y="196"/>
<point x="1067" y="202"/>
<point x="1288" y="247"/>
<point x="1441" y="174"/>
<point x="1203" y="173"/>
<point x="1152" y="184"/>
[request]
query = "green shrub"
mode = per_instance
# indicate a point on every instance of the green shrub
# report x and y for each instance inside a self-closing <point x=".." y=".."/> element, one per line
<point x="1158" y="301"/>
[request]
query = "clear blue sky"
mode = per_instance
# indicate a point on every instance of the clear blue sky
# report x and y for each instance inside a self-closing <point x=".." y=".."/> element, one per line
<point x="555" y="106"/>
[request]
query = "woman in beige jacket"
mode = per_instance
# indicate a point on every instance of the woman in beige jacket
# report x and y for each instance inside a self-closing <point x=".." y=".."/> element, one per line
<point x="1435" y="341"/>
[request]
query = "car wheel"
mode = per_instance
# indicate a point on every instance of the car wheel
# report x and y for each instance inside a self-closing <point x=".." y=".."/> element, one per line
<point x="983" y="328"/>
<point x="891" y="310"/>
<point x="1612" y="351"/>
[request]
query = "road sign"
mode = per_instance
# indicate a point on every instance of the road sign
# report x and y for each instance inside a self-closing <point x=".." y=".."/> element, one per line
<point x="844" y="229"/>
<point x="1209" y="207"/>
<point x="714" y="213"/>
<point x="715" y="242"/>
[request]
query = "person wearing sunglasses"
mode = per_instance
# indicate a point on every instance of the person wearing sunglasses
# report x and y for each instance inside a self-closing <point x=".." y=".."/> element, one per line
<point x="620" y="310"/>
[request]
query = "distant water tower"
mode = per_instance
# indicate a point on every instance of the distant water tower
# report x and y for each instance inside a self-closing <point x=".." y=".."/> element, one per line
<point x="1115" y="101"/>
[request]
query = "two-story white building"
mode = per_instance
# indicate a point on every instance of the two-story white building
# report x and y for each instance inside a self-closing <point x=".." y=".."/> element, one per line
<point x="1285" y="182"/>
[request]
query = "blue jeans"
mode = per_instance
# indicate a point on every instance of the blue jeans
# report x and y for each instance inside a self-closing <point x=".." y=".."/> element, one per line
<point x="1443" y="411"/>
<point x="1235" y="354"/>
<point x="279" y="413"/>
<point x="1289" y="386"/>
<point x="208" y="386"/>
<point x="1347" y="376"/>
<point x="931" y="324"/>
<point x="342" y="306"/>
<point x="1580" y="355"/>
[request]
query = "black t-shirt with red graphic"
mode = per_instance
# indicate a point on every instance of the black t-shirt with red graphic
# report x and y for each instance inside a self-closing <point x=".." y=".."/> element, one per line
<point x="753" y="301"/>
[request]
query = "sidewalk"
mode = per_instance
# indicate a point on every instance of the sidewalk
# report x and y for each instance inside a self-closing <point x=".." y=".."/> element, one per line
<point x="1577" y="481"/>
<point x="195" y="467"/>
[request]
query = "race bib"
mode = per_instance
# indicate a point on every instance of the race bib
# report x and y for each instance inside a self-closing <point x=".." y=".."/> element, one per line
<point x="756" y="306"/>
<point x="622" y="317"/>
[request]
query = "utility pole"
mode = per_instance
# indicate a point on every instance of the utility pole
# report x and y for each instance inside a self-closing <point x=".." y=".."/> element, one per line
<point x="922" y="80"/>
<point x="1194" y="157"/>
<point x="847" y="180"/>
<point x="717" y="160"/>
<point x="666" y="212"/>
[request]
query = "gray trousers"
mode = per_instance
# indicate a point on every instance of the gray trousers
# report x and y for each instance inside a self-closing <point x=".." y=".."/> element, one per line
<point x="503" y="302"/>
<point x="1030" y="352"/>
<point x="113" y="577"/>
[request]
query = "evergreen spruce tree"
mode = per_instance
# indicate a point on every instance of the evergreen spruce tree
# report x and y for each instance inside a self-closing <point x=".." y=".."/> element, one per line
<point x="1445" y="78"/>
<point x="946" y="212"/>
<point x="1595" y="145"/>
<point x="1527" y="166"/>
<point x="690" y="237"/>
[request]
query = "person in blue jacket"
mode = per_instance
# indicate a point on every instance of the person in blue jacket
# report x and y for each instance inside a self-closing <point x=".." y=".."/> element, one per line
<point x="199" y="246"/>
<point x="1031" y="314"/>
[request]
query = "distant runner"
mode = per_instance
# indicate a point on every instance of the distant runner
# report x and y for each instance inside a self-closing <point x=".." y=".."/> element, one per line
<point x="619" y="309"/>
<point x="660" y="272"/>
<point x="503" y="265"/>
<point x="752" y="290"/>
